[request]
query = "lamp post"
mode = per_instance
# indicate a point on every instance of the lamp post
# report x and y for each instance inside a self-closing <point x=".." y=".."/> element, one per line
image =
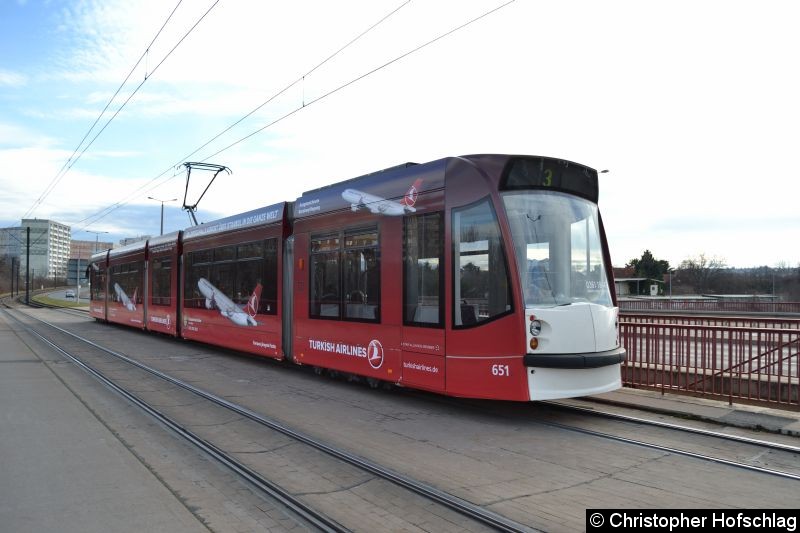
<point x="671" y="272"/>
<point x="78" y="277"/>
<point x="96" y="237"/>
<point x="162" y="209"/>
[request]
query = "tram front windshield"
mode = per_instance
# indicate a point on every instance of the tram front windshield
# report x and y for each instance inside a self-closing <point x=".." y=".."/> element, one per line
<point x="558" y="248"/>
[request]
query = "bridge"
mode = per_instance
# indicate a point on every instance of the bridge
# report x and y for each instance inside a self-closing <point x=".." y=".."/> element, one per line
<point x="746" y="359"/>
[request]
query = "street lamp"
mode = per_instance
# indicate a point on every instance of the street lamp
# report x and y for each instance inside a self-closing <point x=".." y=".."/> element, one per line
<point x="96" y="237"/>
<point x="671" y="273"/>
<point x="162" y="209"/>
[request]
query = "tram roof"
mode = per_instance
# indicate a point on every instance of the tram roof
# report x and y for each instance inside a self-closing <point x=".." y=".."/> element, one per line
<point x="257" y="217"/>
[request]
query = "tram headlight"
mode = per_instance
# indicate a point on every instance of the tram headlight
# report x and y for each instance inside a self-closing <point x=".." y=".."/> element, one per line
<point x="536" y="328"/>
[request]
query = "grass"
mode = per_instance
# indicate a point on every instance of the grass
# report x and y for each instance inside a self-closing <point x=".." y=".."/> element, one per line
<point x="57" y="302"/>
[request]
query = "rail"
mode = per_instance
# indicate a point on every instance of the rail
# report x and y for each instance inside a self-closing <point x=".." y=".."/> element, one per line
<point x="710" y="305"/>
<point x="738" y="363"/>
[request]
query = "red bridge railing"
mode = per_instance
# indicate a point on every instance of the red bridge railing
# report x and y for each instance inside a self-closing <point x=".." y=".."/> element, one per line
<point x="753" y="363"/>
<point x="708" y="306"/>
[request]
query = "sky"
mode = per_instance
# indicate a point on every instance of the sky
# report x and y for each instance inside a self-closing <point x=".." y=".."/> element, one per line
<point x="692" y="107"/>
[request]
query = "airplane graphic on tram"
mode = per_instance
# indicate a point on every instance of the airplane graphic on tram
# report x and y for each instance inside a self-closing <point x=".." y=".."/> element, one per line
<point x="382" y="206"/>
<point x="488" y="277"/>
<point x="129" y="304"/>
<point x="239" y="315"/>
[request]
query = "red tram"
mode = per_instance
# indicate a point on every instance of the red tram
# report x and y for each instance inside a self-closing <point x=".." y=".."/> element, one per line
<point x="482" y="276"/>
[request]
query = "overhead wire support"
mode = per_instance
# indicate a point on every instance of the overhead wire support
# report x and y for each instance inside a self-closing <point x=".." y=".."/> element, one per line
<point x="200" y="166"/>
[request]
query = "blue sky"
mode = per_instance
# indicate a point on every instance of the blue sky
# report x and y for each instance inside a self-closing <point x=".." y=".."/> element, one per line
<point x="692" y="107"/>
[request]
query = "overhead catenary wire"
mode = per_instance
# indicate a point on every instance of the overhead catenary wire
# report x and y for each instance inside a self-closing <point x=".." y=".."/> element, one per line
<point x="62" y="171"/>
<point x="105" y="212"/>
<point x="71" y="161"/>
<point x="359" y="78"/>
<point x="136" y="192"/>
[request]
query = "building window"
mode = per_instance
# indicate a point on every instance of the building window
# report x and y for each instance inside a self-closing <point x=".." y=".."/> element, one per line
<point x="481" y="288"/>
<point x="423" y="259"/>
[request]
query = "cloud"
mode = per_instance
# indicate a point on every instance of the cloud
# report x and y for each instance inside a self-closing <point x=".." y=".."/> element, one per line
<point x="698" y="131"/>
<point x="32" y="168"/>
<point x="12" y="135"/>
<point x="12" y="79"/>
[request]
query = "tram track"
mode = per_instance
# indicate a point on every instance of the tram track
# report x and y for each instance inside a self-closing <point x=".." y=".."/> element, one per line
<point x="761" y="443"/>
<point x="757" y="447"/>
<point x="307" y="512"/>
<point x="757" y="444"/>
<point x="701" y="448"/>
<point x="483" y="517"/>
<point x="794" y="476"/>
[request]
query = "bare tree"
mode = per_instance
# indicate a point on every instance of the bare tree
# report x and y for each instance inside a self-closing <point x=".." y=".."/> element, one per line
<point x="701" y="271"/>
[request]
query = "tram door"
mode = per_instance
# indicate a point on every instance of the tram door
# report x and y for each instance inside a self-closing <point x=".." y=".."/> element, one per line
<point x="484" y="331"/>
<point x="423" y="339"/>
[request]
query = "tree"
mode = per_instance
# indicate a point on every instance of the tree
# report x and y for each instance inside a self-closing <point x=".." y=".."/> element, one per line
<point x="701" y="271"/>
<point x="649" y="267"/>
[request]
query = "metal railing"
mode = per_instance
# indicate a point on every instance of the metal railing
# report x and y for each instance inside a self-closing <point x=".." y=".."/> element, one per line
<point x="727" y="306"/>
<point x="751" y="321"/>
<point x="750" y="364"/>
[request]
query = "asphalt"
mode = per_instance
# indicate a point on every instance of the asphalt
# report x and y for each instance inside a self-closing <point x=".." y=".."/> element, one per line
<point x="61" y="468"/>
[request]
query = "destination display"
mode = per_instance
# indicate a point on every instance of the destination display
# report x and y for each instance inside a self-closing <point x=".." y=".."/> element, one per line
<point x="549" y="173"/>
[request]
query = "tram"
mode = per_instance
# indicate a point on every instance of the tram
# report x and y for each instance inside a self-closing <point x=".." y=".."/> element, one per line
<point x="484" y="276"/>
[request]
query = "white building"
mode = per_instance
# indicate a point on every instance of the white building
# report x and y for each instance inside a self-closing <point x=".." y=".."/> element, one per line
<point x="49" y="247"/>
<point x="10" y="239"/>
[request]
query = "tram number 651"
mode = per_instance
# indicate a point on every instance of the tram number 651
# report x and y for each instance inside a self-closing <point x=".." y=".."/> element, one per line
<point x="500" y="370"/>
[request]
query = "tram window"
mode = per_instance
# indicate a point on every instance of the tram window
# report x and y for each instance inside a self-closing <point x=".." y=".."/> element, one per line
<point x="325" y="294"/>
<point x="250" y="250"/>
<point x="197" y="266"/>
<point x="201" y="256"/>
<point x="258" y="263"/>
<point x="98" y="282"/>
<point x="225" y="253"/>
<point x="345" y="276"/>
<point x="129" y="278"/>
<point x="362" y="276"/>
<point x="162" y="281"/>
<point x="481" y="290"/>
<point x="223" y="277"/>
<point x="423" y="255"/>
<point x="325" y="244"/>
<point x="235" y="273"/>
<point x="269" y="279"/>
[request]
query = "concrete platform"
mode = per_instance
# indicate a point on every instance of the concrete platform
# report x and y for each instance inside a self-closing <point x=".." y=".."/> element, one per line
<point x="782" y="421"/>
<point x="61" y="469"/>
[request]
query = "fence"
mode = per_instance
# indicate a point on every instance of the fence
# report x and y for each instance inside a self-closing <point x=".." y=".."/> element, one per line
<point x="751" y="321"/>
<point x="708" y="306"/>
<point x="754" y="363"/>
